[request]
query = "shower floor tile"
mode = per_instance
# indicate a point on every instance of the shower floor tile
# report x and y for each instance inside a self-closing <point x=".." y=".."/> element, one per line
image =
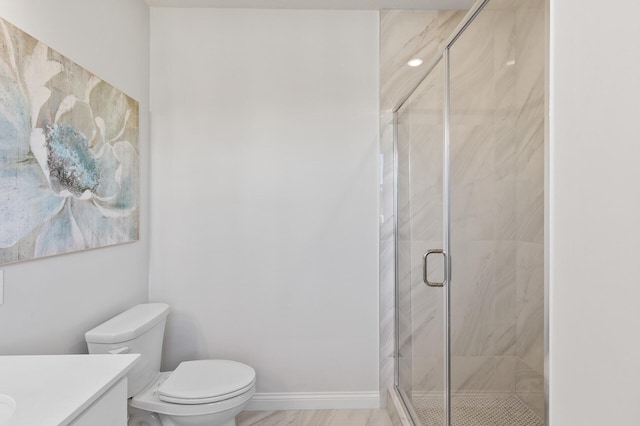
<point x="476" y="410"/>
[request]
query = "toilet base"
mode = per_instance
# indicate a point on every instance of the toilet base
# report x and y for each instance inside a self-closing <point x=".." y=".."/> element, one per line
<point x="193" y="421"/>
<point x="138" y="417"/>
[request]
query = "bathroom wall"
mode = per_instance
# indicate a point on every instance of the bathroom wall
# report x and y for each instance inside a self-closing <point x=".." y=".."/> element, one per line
<point x="50" y="303"/>
<point x="265" y="171"/>
<point x="594" y="213"/>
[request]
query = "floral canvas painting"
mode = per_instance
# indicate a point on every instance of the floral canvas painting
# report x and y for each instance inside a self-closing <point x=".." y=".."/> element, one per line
<point x="68" y="154"/>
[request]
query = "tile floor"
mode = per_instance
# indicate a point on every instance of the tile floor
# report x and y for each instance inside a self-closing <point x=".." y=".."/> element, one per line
<point x="314" y="418"/>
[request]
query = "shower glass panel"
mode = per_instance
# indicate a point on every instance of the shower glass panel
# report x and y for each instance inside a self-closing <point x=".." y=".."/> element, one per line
<point x="496" y="124"/>
<point x="470" y="180"/>
<point x="421" y="344"/>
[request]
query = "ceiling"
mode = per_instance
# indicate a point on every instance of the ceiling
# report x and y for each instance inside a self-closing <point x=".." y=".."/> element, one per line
<point x="319" y="4"/>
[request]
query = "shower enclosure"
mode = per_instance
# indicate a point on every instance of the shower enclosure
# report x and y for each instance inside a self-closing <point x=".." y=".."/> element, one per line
<point x="469" y="225"/>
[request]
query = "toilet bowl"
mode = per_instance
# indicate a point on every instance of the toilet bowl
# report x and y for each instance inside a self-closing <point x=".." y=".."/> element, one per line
<point x="196" y="393"/>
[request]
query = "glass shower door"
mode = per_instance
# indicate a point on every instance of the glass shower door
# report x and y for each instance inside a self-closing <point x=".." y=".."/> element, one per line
<point x="496" y="145"/>
<point x="421" y="321"/>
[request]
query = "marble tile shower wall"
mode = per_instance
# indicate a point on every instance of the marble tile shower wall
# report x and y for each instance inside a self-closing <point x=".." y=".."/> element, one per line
<point x="497" y="200"/>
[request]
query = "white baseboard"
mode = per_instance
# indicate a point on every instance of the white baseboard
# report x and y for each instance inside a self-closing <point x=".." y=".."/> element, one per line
<point x="314" y="401"/>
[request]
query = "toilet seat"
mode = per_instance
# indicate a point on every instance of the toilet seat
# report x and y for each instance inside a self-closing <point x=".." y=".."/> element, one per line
<point x="206" y="381"/>
<point x="148" y="400"/>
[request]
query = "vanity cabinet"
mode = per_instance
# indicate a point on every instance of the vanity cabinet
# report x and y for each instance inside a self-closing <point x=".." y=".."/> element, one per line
<point x="66" y="390"/>
<point x="109" y="410"/>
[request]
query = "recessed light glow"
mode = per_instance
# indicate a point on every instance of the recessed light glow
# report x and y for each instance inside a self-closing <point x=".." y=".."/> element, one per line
<point x="415" y="62"/>
<point x="510" y="63"/>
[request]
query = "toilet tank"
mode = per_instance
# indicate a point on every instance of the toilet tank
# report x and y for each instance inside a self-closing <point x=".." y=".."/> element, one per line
<point x="139" y="330"/>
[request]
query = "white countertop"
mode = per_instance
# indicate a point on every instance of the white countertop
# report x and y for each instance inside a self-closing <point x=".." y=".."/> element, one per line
<point x="54" y="389"/>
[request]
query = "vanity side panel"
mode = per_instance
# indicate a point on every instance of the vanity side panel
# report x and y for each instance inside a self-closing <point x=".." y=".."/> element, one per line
<point x="109" y="410"/>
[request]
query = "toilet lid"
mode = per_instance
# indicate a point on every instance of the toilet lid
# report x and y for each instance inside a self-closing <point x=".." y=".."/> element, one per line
<point x="201" y="382"/>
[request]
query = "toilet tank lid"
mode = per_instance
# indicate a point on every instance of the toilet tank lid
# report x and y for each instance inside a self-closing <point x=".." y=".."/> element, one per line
<point x="129" y="324"/>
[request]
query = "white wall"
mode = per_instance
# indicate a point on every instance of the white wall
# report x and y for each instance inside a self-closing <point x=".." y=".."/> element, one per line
<point x="595" y="213"/>
<point x="265" y="130"/>
<point x="50" y="303"/>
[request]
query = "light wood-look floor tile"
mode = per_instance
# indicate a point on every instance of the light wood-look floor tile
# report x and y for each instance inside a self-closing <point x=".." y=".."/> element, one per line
<point x="315" y="418"/>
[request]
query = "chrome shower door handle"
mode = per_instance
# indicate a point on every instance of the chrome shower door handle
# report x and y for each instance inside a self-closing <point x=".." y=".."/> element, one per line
<point x="424" y="268"/>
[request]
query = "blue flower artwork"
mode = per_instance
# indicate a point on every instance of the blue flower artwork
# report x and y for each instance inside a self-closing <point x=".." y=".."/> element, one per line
<point x="68" y="154"/>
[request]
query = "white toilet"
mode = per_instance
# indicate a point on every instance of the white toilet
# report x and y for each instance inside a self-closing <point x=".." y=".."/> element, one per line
<point x="197" y="393"/>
